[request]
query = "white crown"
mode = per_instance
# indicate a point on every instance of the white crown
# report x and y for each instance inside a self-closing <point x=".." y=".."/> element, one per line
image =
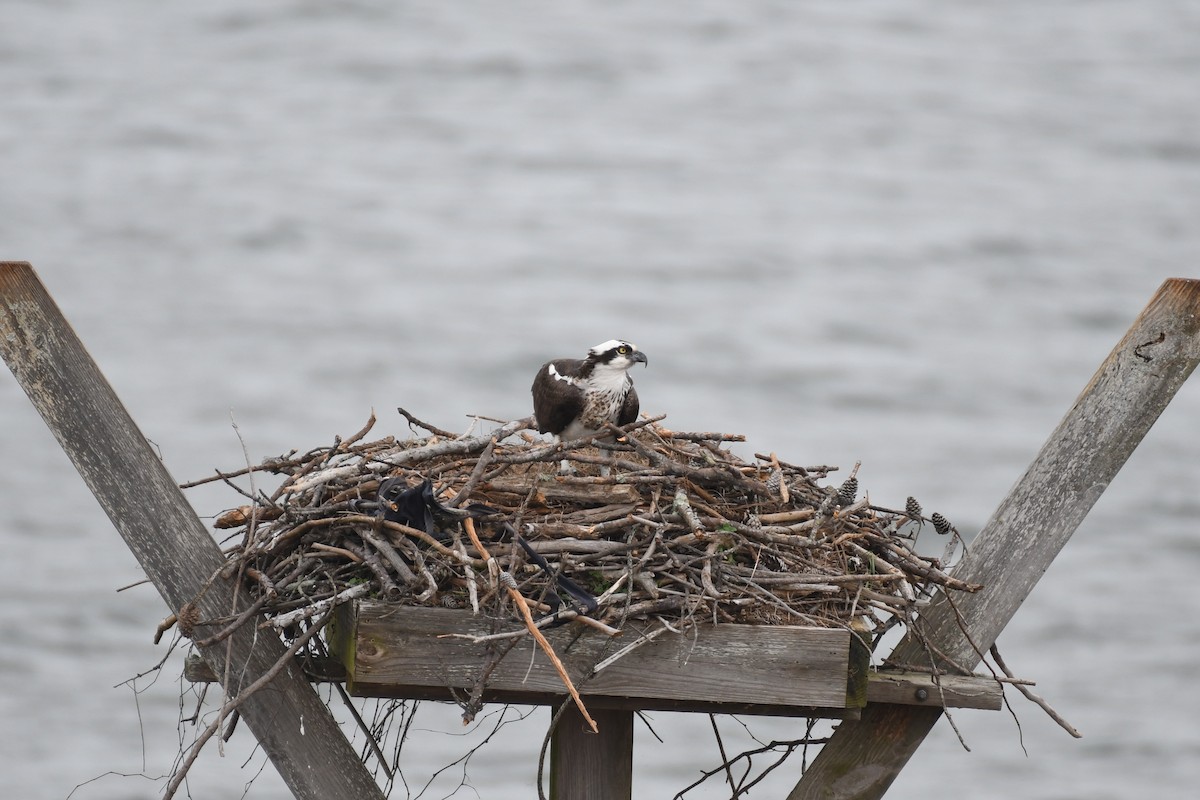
<point x="604" y="347"/>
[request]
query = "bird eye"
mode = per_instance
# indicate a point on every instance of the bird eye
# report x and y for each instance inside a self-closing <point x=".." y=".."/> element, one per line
<point x="623" y="350"/>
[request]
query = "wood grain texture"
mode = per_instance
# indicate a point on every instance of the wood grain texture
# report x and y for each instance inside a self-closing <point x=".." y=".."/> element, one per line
<point x="592" y="766"/>
<point x="950" y="691"/>
<point x="149" y="511"/>
<point x="906" y="688"/>
<point x="401" y="650"/>
<point x="1084" y="453"/>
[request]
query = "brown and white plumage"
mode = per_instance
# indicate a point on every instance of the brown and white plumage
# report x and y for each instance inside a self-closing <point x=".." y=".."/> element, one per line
<point x="575" y="397"/>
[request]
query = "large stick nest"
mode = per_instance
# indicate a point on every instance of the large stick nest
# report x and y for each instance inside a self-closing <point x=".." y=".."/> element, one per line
<point x="658" y="524"/>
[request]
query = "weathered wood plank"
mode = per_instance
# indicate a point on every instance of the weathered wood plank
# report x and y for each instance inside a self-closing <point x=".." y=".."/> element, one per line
<point x="592" y="766"/>
<point x="905" y="688"/>
<point x="1083" y="454"/>
<point x="919" y="689"/>
<point x="399" y="651"/>
<point x="125" y="474"/>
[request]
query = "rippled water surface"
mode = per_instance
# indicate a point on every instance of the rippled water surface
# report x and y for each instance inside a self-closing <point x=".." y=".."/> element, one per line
<point x="897" y="233"/>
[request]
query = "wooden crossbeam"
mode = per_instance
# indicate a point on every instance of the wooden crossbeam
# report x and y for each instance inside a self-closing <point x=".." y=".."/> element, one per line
<point x="906" y="688"/>
<point x="409" y="651"/>
<point x="1081" y="457"/>
<point x="293" y="725"/>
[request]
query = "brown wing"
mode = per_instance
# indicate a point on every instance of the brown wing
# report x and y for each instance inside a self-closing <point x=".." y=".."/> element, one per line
<point x="629" y="409"/>
<point x="556" y="402"/>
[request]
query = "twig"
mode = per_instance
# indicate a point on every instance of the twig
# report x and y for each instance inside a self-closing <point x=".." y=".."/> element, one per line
<point x="231" y="704"/>
<point x="469" y="526"/>
<point x="337" y="551"/>
<point x="1030" y="695"/>
<point x="629" y="648"/>
<point x="362" y="725"/>
<point x="476" y="475"/>
<point x="712" y="719"/>
<point x="402" y="571"/>
<point x="321" y="606"/>
<point x="435" y="431"/>
<point x="701" y="436"/>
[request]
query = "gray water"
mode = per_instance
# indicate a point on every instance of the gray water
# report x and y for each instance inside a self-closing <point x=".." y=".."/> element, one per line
<point x="898" y="233"/>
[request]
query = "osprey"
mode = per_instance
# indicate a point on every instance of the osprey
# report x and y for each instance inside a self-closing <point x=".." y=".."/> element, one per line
<point x="574" y="397"/>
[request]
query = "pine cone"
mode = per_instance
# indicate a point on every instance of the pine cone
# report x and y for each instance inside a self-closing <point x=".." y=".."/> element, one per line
<point x="848" y="491"/>
<point x="912" y="508"/>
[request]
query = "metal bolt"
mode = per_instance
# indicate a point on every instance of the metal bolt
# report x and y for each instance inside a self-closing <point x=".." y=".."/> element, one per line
<point x="922" y="694"/>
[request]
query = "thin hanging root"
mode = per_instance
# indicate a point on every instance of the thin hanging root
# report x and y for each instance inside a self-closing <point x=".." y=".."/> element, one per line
<point x="519" y="599"/>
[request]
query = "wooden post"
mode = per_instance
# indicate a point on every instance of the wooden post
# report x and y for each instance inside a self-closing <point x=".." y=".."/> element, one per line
<point x="116" y="462"/>
<point x="1112" y="415"/>
<point x="592" y="766"/>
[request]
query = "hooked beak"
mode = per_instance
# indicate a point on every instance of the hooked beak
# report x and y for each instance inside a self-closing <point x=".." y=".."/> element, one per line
<point x="640" y="356"/>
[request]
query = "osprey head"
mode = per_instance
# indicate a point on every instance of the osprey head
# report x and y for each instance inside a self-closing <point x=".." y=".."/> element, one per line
<point x="616" y="354"/>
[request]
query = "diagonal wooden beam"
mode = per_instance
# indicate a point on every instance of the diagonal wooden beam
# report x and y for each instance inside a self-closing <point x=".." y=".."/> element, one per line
<point x="1083" y="454"/>
<point x="291" y="723"/>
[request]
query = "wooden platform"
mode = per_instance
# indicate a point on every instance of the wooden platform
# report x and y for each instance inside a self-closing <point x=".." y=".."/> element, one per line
<point x="429" y="653"/>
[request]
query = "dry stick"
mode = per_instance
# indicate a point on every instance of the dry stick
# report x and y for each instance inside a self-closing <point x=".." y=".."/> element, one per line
<point x="706" y="579"/>
<point x="232" y="704"/>
<point x="556" y="451"/>
<point x="349" y="555"/>
<point x="685" y="510"/>
<point x="250" y="611"/>
<point x="225" y="476"/>
<point x="1029" y="695"/>
<point x="584" y="619"/>
<point x="402" y="570"/>
<point x="476" y="476"/>
<point x="290" y="618"/>
<point x="915" y="564"/>
<point x="262" y="580"/>
<point x="371" y="558"/>
<point x="474" y="702"/>
<point x="132" y="585"/>
<point x="820" y="470"/>
<point x="468" y="574"/>
<point x="795" y="515"/>
<point x="702" y="436"/>
<point x="722" y="474"/>
<point x="629" y="648"/>
<point x="380" y="758"/>
<point x="712" y="718"/>
<point x="876" y="560"/>
<point x="363" y="432"/>
<point x="677" y="448"/>
<point x="784" y="494"/>
<point x="414" y="553"/>
<point x="364" y="519"/>
<point x="435" y="431"/>
<point x="401" y="455"/>
<point x="519" y="599"/>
